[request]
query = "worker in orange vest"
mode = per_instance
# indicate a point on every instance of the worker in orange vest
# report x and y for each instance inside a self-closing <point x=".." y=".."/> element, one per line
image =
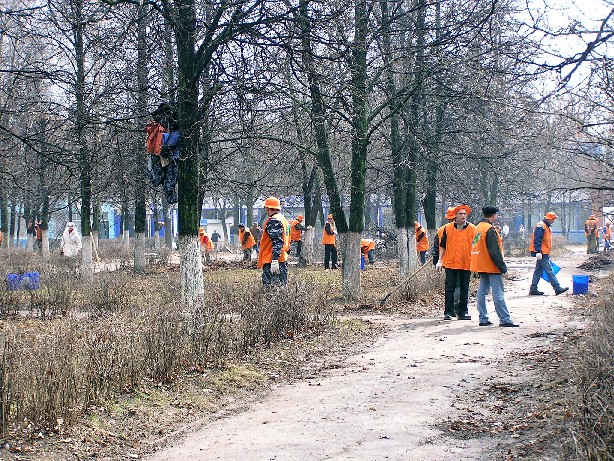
<point x="422" y="242"/>
<point x="296" y="233"/>
<point x="540" y="246"/>
<point x="206" y="244"/>
<point x="247" y="242"/>
<point x="591" y="232"/>
<point x="607" y="235"/>
<point x="455" y="256"/>
<point x="274" y="245"/>
<point x="329" y="240"/>
<point x="487" y="260"/>
<point x="367" y="246"/>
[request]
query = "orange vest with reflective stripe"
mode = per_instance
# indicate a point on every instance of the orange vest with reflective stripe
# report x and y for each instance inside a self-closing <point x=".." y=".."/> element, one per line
<point x="423" y="244"/>
<point x="250" y="240"/>
<point x="458" y="247"/>
<point x="295" y="234"/>
<point x="153" y="144"/>
<point x="266" y="245"/>
<point x="480" y="257"/>
<point x="546" y="241"/>
<point x="590" y="227"/>
<point x="366" y="245"/>
<point x="328" y="239"/>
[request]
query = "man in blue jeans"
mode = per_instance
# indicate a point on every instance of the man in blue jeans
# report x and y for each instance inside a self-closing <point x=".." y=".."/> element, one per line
<point x="487" y="260"/>
<point x="540" y="246"/>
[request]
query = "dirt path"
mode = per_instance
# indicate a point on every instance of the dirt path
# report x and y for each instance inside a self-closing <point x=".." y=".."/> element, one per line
<point x="388" y="402"/>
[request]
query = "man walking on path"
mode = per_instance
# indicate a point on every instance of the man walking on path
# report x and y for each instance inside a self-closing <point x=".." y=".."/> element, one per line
<point x="590" y="231"/>
<point x="540" y="246"/>
<point x="274" y="245"/>
<point x="455" y="256"/>
<point x="487" y="260"/>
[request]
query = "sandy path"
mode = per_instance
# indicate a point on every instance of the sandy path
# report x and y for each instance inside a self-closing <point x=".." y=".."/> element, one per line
<point x="386" y="403"/>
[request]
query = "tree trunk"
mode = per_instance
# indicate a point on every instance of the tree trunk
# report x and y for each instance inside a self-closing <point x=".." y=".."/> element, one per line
<point x="140" y="262"/>
<point x="87" y="266"/>
<point x="308" y="246"/>
<point x="192" y="287"/>
<point x="350" y="268"/>
<point x="45" y="244"/>
<point x="4" y="216"/>
<point x="11" y="235"/>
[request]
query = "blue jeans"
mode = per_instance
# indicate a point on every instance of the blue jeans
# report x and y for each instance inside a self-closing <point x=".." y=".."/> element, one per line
<point x="494" y="281"/>
<point x="541" y="266"/>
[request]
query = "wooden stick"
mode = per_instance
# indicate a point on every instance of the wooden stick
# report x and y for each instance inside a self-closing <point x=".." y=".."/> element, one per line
<point x="413" y="274"/>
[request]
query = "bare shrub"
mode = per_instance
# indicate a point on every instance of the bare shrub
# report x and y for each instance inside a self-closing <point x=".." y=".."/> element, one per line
<point x="592" y="424"/>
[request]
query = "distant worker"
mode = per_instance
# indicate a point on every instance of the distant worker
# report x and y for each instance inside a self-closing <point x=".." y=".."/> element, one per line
<point x="367" y="247"/>
<point x="247" y="242"/>
<point x="256" y="232"/>
<point x="521" y="231"/>
<point x="274" y="245"/>
<point x="71" y="241"/>
<point x="422" y="242"/>
<point x="505" y="230"/>
<point x="329" y="240"/>
<point x="206" y="245"/>
<point x="591" y="232"/>
<point x="540" y="246"/>
<point x="296" y="233"/>
<point x="607" y="236"/>
<point x="487" y="260"/>
<point x="435" y="255"/>
<point x="455" y="256"/>
<point x="216" y="239"/>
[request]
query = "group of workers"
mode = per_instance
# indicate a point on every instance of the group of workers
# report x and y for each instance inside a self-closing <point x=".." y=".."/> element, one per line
<point x="592" y="231"/>
<point x="462" y="248"/>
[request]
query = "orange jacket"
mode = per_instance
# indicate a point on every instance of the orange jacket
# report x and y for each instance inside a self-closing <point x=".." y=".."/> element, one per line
<point x="295" y="234"/>
<point x="329" y="239"/>
<point x="423" y="243"/>
<point x="205" y="241"/>
<point x="607" y="233"/>
<point x="249" y="242"/>
<point x="153" y="144"/>
<point x="590" y="227"/>
<point x="546" y="239"/>
<point x="366" y="245"/>
<point x="458" y="246"/>
<point x="481" y="260"/>
<point x="265" y="255"/>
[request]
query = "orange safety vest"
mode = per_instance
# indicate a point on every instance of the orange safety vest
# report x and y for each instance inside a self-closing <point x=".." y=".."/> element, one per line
<point x="480" y="257"/>
<point x="366" y="245"/>
<point x="607" y="233"/>
<point x="153" y="144"/>
<point x="205" y="240"/>
<point x="590" y="227"/>
<point x="423" y="244"/>
<point x="458" y="247"/>
<point x="249" y="243"/>
<point x="266" y="245"/>
<point x="328" y="239"/>
<point x="546" y="241"/>
<point x="295" y="234"/>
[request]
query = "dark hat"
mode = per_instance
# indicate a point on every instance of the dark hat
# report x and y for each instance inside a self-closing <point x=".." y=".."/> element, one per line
<point x="490" y="210"/>
<point x="241" y="225"/>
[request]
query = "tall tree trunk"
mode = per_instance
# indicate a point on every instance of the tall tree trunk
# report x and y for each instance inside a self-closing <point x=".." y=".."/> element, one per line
<point x="140" y="212"/>
<point x="192" y="287"/>
<point x="4" y="216"/>
<point x="11" y="235"/>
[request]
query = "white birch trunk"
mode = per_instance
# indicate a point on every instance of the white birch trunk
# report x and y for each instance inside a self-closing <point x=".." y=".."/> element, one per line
<point x="45" y="243"/>
<point x="157" y="238"/>
<point x="87" y="268"/>
<point x="192" y="286"/>
<point x="139" y="252"/>
<point x="307" y="251"/>
<point x="126" y="237"/>
<point x="350" y="270"/>
<point x="30" y="243"/>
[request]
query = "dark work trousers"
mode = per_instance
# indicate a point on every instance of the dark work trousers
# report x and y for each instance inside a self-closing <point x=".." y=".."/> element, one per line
<point x="275" y="279"/>
<point x="330" y="255"/>
<point x="423" y="258"/>
<point x="454" y="276"/>
<point x="299" y="247"/>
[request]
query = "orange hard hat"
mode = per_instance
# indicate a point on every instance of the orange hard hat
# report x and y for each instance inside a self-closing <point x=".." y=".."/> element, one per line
<point x="450" y="214"/>
<point x="462" y="207"/>
<point x="551" y="215"/>
<point x="300" y="217"/>
<point x="272" y="202"/>
<point x="201" y="230"/>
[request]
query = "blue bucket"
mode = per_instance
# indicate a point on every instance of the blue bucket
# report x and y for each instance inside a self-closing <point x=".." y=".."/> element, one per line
<point x="31" y="281"/>
<point x="555" y="269"/>
<point x="13" y="282"/>
<point x="580" y="284"/>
